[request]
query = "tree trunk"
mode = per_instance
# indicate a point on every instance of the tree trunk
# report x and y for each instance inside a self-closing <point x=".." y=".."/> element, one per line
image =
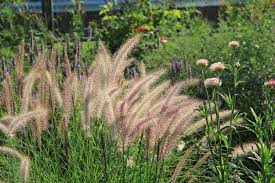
<point x="47" y="13"/>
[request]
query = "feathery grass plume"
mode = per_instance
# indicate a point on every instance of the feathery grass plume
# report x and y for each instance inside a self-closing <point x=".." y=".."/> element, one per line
<point x="21" y="120"/>
<point x="25" y="169"/>
<point x="246" y="148"/>
<point x="146" y="101"/>
<point x="90" y="98"/>
<point x="121" y="56"/>
<point x="134" y="106"/>
<point x="67" y="95"/>
<point x="104" y="63"/>
<point x="97" y="81"/>
<point x="170" y="114"/>
<point x="134" y="92"/>
<point x="52" y="65"/>
<point x="67" y="64"/>
<point x="28" y="83"/>
<point x="182" y="163"/>
<point x="131" y="98"/>
<point x="40" y="123"/>
<point x="150" y="117"/>
<point x="175" y="90"/>
<point x="106" y="74"/>
<point x="77" y="90"/>
<point x="43" y="91"/>
<point x="52" y="72"/>
<point x="177" y="126"/>
<point x="8" y="93"/>
<point x="54" y="89"/>
<point x="38" y="73"/>
<point x="19" y="66"/>
<point x="160" y="116"/>
<point x="25" y="162"/>
<point x="197" y="124"/>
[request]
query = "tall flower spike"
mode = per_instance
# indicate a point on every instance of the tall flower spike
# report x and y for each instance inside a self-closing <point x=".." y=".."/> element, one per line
<point x="8" y="94"/>
<point x="19" y="64"/>
<point x="38" y="73"/>
<point x="122" y="54"/>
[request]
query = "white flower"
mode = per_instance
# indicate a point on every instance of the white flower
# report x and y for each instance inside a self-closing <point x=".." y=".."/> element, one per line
<point x="218" y="66"/>
<point x="257" y="46"/>
<point x="180" y="146"/>
<point x="202" y="62"/>
<point x="237" y="64"/>
<point x="212" y="82"/>
<point x="234" y="44"/>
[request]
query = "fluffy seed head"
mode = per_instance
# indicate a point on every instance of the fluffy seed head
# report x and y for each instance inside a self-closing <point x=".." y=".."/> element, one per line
<point x="202" y="62"/>
<point x="25" y="169"/>
<point x="211" y="82"/>
<point x="218" y="66"/>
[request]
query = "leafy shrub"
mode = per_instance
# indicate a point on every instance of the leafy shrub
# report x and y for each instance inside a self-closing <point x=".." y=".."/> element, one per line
<point x="117" y="25"/>
<point x="251" y="25"/>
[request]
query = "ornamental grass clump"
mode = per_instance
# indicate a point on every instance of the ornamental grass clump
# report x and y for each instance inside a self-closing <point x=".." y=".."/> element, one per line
<point x="50" y="95"/>
<point x="133" y="107"/>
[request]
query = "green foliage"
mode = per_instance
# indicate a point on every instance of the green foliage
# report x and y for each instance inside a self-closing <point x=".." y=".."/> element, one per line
<point x="263" y="127"/>
<point x="13" y="28"/>
<point x="120" y="22"/>
<point x="251" y="25"/>
<point x="93" y="159"/>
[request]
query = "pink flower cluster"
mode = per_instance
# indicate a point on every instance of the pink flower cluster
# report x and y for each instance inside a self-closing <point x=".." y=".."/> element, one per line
<point x="212" y="82"/>
<point x="270" y="82"/>
<point x="218" y="66"/>
<point x="202" y="62"/>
